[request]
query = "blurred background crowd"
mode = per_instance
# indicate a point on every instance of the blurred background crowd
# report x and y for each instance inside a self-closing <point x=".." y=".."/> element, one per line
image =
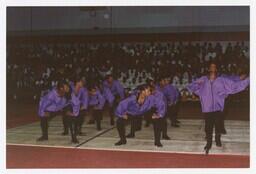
<point x="35" y="67"/>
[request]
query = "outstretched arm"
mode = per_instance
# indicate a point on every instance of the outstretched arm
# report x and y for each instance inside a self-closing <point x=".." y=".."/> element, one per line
<point x="232" y="87"/>
<point x="195" y="86"/>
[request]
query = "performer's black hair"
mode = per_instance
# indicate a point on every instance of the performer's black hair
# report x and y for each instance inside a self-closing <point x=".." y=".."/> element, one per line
<point x="142" y="87"/>
<point x="91" y="85"/>
<point x="213" y="62"/>
<point x="61" y="84"/>
<point x="77" y="79"/>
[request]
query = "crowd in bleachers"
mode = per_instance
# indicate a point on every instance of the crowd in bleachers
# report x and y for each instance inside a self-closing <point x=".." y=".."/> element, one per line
<point x="39" y="66"/>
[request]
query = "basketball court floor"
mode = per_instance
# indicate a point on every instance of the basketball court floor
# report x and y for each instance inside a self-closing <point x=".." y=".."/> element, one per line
<point x="96" y="149"/>
<point x="189" y="138"/>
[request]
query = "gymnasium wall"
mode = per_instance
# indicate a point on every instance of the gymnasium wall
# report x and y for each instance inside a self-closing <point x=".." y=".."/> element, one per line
<point x="70" y="20"/>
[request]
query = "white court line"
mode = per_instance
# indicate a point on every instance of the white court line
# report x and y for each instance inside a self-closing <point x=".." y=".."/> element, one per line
<point x="129" y="150"/>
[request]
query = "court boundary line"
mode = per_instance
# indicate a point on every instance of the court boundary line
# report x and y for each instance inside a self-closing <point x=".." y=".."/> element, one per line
<point x="128" y="150"/>
<point x="95" y="136"/>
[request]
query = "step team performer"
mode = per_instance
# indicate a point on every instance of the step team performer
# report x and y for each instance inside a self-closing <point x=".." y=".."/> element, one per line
<point x="172" y="96"/>
<point x="78" y="101"/>
<point x="135" y="106"/>
<point x="50" y="105"/>
<point x="212" y="91"/>
<point x="96" y="103"/>
<point x="117" y="91"/>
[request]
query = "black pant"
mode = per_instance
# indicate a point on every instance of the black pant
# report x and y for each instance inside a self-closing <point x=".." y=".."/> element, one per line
<point x="121" y="123"/>
<point x="111" y="113"/>
<point x="65" y="121"/>
<point x="212" y="119"/>
<point x="177" y="108"/>
<point x="163" y="125"/>
<point x="112" y="109"/>
<point x="137" y="121"/>
<point x="157" y="124"/>
<point x="44" y="123"/>
<point x="172" y="112"/>
<point x="81" y="120"/>
<point x="97" y="115"/>
<point x="148" y="117"/>
<point x="73" y="123"/>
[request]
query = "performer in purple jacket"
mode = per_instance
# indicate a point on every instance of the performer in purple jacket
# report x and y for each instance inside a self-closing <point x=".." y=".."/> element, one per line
<point x="172" y="94"/>
<point x="96" y="102"/>
<point x="81" y="93"/>
<point x="148" y="115"/>
<point x="160" y="107"/>
<point x="160" y="99"/>
<point x="135" y="106"/>
<point x="78" y="101"/>
<point x="117" y="91"/>
<point x="51" y="105"/>
<point x="212" y="91"/>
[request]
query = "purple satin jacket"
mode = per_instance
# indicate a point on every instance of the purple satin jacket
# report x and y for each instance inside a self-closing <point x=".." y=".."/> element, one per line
<point x="212" y="94"/>
<point x="108" y="96"/>
<point x="116" y="88"/>
<point x="78" y="100"/>
<point x="51" y="102"/>
<point x="97" y="100"/>
<point x="130" y="106"/>
<point x="171" y="93"/>
<point x="231" y="77"/>
<point x="158" y="101"/>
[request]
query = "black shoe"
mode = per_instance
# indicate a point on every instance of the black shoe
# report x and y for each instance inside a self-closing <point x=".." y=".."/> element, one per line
<point x="177" y="121"/>
<point x="42" y="138"/>
<point x="112" y="122"/>
<point x="206" y="149"/>
<point x="175" y="125"/>
<point x="64" y="133"/>
<point x="223" y="131"/>
<point x="91" y="122"/>
<point x="120" y="142"/>
<point x="130" y="136"/>
<point x="158" y="144"/>
<point x="218" y="142"/>
<point x="74" y="140"/>
<point x="166" y="137"/>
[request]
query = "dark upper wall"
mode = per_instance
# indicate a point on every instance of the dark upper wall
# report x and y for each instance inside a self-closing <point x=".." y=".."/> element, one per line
<point x="128" y="19"/>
